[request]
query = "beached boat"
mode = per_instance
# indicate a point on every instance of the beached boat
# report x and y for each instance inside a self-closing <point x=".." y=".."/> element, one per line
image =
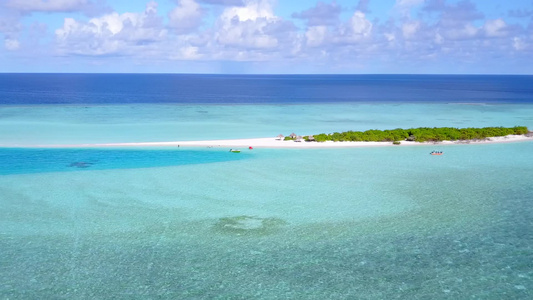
<point x="235" y="150"/>
<point x="436" y="152"/>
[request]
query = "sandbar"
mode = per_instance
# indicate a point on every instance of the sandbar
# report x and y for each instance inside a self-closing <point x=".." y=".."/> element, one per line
<point x="274" y="142"/>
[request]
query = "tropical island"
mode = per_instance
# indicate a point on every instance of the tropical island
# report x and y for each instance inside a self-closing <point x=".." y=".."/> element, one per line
<point x="369" y="138"/>
<point x="421" y="134"/>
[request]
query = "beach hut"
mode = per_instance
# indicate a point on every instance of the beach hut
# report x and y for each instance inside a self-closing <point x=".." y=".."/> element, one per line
<point x="293" y="135"/>
<point x="281" y="137"/>
<point x="299" y="138"/>
<point x="310" y="138"/>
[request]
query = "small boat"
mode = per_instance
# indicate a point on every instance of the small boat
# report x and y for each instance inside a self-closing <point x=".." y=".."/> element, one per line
<point x="436" y="152"/>
<point x="235" y="150"/>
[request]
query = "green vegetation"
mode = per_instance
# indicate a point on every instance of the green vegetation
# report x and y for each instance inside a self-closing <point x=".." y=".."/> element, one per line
<point x="422" y="134"/>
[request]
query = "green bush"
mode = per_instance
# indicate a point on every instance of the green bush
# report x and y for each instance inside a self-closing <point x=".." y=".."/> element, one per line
<point x="421" y="134"/>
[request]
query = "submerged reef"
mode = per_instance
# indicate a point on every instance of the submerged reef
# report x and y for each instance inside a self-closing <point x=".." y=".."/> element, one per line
<point x="248" y="225"/>
<point x="80" y="164"/>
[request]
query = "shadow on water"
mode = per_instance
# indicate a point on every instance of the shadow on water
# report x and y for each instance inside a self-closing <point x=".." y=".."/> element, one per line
<point x="81" y="164"/>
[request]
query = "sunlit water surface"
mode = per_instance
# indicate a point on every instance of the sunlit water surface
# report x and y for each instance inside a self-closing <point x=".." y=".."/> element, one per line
<point x="198" y="223"/>
<point x="63" y="124"/>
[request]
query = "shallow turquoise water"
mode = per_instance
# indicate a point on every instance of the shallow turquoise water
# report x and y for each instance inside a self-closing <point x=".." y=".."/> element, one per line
<point x="62" y="124"/>
<point x="198" y="223"/>
<point x="41" y="160"/>
<point x="315" y="224"/>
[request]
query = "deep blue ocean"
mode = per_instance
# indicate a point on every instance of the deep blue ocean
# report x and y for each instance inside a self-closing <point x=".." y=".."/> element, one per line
<point x="261" y="89"/>
<point x="79" y="222"/>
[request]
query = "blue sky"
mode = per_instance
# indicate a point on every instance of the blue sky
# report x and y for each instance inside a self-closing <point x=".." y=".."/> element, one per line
<point x="267" y="36"/>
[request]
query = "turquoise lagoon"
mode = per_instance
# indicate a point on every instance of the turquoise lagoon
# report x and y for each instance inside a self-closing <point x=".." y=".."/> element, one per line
<point x="199" y="223"/>
<point x="28" y="125"/>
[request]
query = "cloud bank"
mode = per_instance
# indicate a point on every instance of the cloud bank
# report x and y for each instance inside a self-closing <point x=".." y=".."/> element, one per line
<point x="413" y="36"/>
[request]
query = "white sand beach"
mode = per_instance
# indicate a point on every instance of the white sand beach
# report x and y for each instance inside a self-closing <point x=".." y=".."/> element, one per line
<point x="274" y="142"/>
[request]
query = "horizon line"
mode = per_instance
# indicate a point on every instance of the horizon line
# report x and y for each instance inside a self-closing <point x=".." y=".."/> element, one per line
<point x="281" y="74"/>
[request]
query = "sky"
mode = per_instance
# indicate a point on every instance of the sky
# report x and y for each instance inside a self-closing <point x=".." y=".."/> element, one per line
<point x="267" y="36"/>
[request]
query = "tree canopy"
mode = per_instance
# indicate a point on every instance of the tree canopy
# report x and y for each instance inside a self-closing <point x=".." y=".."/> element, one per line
<point x="421" y="134"/>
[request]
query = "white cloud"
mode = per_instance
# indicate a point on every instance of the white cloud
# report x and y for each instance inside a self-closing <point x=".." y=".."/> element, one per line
<point x="247" y="34"/>
<point x="110" y="33"/>
<point x="186" y="53"/>
<point x="316" y="35"/>
<point x="46" y="5"/>
<point x="409" y="2"/>
<point x="9" y="21"/>
<point x="247" y="26"/>
<point x="11" y="44"/>
<point x="495" y="28"/>
<point x="321" y="14"/>
<point x="252" y="11"/>
<point x="359" y="25"/>
<point x="224" y="2"/>
<point x="438" y="38"/>
<point x="409" y="29"/>
<point x="390" y="37"/>
<point x="356" y="29"/>
<point x="519" y="44"/>
<point x="250" y="30"/>
<point x="403" y="7"/>
<point x="464" y="32"/>
<point x="186" y="17"/>
<point x="90" y="7"/>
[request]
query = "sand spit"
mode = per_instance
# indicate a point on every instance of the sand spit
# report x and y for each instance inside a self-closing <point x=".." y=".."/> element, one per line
<point x="277" y="143"/>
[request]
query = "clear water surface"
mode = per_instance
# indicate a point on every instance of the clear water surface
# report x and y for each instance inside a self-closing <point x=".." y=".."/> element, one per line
<point x="204" y="223"/>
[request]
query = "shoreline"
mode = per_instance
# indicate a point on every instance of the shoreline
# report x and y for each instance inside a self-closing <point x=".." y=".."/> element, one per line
<point x="277" y="144"/>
